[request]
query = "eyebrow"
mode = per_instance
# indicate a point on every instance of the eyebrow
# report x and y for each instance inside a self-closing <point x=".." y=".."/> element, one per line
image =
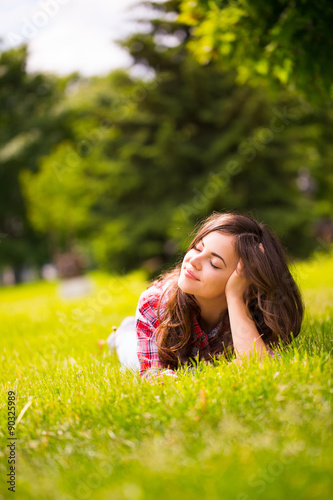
<point x="215" y="254"/>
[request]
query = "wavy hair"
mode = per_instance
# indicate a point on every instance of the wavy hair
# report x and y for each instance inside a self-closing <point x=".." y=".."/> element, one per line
<point x="273" y="298"/>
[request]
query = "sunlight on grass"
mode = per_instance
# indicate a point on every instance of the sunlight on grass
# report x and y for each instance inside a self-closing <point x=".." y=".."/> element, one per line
<point x="261" y="430"/>
<point x="316" y="281"/>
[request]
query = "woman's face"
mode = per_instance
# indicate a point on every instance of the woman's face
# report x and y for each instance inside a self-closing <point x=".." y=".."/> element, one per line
<point x="207" y="267"/>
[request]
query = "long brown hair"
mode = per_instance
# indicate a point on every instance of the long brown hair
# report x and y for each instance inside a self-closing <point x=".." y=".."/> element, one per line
<point x="273" y="298"/>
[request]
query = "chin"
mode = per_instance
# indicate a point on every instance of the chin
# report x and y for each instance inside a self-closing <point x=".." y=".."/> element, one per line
<point x="180" y="280"/>
<point x="184" y="286"/>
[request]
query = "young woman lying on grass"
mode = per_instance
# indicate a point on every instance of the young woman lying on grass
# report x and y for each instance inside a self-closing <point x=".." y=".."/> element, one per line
<point x="233" y="293"/>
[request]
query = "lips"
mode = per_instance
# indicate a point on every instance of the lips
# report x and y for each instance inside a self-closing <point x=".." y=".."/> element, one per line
<point x="189" y="274"/>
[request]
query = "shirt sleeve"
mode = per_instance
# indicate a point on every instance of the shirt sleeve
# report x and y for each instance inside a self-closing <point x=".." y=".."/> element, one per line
<point x="146" y="325"/>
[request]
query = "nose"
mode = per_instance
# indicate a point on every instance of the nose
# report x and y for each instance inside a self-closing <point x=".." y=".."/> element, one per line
<point x="195" y="261"/>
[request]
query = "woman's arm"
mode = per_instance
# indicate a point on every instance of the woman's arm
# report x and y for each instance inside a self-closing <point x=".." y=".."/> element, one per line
<point x="146" y="325"/>
<point x="245" y="336"/>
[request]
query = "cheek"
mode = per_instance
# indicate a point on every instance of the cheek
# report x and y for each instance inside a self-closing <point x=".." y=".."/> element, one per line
<point x="187" y="255"/>
<point x="185" y="261"/>
<point x="219" y="283"/>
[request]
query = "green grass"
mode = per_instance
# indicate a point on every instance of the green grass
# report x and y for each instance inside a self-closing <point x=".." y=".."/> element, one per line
<point x="259" y="431"/>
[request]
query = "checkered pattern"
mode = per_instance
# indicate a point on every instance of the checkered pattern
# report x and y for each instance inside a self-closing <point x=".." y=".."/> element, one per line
<point x="146" y="325"/>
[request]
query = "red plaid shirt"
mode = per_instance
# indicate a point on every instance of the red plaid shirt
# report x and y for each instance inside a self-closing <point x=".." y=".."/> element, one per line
<point x="146" y="325"/>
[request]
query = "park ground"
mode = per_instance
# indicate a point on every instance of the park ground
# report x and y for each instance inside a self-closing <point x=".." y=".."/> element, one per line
<point x="87" y="430"/>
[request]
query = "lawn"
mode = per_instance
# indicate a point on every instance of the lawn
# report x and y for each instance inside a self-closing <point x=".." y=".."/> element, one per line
<point x="87" y="430"/>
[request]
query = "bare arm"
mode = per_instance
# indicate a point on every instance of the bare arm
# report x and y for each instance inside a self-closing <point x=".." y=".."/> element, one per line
<point x="245" y="336"/>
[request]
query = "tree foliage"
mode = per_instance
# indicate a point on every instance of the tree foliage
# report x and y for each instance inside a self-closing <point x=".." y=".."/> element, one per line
<point x="30" y="125"/>
<point x="286" y="42"/>
<point x="140" y="160"/>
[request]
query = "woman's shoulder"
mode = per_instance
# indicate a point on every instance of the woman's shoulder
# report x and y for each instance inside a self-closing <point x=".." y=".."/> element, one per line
<point x="152" y="295"/>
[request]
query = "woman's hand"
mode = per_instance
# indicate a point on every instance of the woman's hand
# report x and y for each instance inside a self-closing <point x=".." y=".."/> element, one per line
<point x="237" y="283"/>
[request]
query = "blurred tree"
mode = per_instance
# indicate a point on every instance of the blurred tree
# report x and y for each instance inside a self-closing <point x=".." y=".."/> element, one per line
<point x="196" y="142"/>
<point x="74" y="194"/>
<point x="30" y="125"/>
<point x="286" y="42"/>
<point x="151" y="155"/>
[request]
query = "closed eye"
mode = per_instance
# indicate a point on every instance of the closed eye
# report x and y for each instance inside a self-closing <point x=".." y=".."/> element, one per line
<point x="198" y="250"/>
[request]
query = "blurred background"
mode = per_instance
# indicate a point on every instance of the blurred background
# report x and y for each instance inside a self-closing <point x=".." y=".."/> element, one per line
<point x="124" y="123"/>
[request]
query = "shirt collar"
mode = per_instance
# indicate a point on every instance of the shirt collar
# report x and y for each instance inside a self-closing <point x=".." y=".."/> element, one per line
<point x="201" y="338"/>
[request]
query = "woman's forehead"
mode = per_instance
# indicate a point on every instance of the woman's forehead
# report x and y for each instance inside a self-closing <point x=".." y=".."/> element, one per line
<point x="216" y="240"/>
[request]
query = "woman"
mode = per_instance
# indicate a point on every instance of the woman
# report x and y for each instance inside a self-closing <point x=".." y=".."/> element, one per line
<point x="232" y="294"/>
